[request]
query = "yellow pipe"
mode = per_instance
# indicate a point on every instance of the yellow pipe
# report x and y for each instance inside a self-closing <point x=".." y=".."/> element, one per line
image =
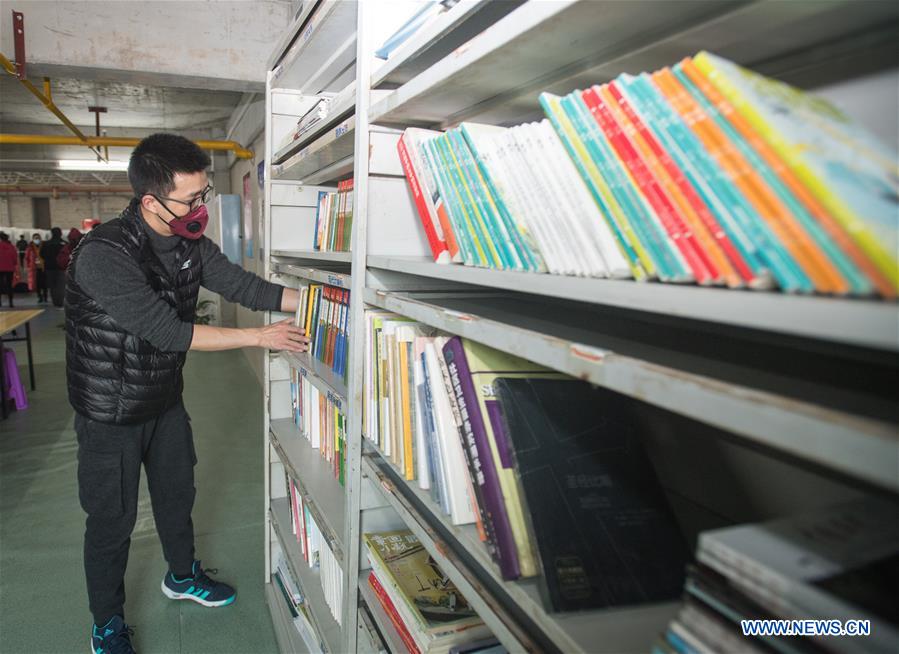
<point x="47" y="101"/>
<point x="114" y="142"/>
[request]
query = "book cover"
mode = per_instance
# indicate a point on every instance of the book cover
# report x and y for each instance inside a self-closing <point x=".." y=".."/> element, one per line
<point x="597" y="508"/>
<point x="432" y="599"/>
<point x="853" y="175"/>
<point x="387" y="604"/>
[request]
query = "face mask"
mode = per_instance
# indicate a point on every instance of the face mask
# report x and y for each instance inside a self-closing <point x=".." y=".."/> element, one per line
<point x="37" y="241"/>
<point x="190" y="226"/>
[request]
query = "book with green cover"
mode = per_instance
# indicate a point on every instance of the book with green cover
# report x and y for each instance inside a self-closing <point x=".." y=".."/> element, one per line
<point x="434" y="162"/>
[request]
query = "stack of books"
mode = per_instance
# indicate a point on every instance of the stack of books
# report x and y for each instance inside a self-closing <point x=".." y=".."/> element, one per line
<point x="700" y="173"/>
<point x="316" y="551"/>
<point x="427" y="610"/>
<point x="505" y="443"/>
<point x="320" y="419"/>
<point x="807" y="578"/>
<point x="296" y="603"/>
<point x="334" y="219"/>
<point x="324" y="314"/>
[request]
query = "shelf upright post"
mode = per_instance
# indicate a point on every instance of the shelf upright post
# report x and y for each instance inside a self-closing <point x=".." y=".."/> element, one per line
<point x="359" y="241"/>
<point x="266" y="359"/>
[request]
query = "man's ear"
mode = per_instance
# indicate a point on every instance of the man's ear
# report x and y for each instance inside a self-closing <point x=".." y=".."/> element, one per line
<point x="148" y="202"/>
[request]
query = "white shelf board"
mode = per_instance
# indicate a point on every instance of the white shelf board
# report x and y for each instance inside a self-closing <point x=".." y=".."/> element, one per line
<point x="331" y="147"/>
<point x="289" y="639"/>
<point x="320" y="375"/>
<point x="290" y="33"/>
<point x="564" y="45"/>
<point x="316" y="255"/>
<point x="865" y="323"/>
<point x="321" y="49"/>
<point x="338" y="279"/>
<point x="438" y="38"/>
<point x="860" y="447"/>
<point x="309" y="579"/>
<point x="341" y="107"/>
<point x="324" y="493"/>
<point x="619" y="630"/>
<point x="390" y="634"/>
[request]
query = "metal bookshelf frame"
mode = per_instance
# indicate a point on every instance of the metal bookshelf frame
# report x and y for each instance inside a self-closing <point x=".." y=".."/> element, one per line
<point x="485" y="60"/>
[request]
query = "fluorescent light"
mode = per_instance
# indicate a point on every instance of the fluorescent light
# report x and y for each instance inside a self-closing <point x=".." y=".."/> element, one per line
<point x="91" y="164"/>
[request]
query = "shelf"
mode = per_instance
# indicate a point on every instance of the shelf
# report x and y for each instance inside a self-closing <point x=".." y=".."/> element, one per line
<point x="290" y="34"/>
<point x="323" y="48"/>
<point x="662" y="370"/>
<point x="309" y="580"/>
<point x="561" y="46"/>
<point x="321" y="376"/>
<point x="631" y="629"/>
<point x="289" y="639"/>
<point x="341" y="107"/>
<point x="321" y="490"/>
<point x="439" y="38"/>
<point x="339" y="279"/>
<point x="864" y="323"/>
<point x="332" y="147"/>
<point x="315" y="255"/>
<point x="390" y="634"/>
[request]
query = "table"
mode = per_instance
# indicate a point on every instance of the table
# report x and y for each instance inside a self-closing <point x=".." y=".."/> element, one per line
<point x="9" y="321"/>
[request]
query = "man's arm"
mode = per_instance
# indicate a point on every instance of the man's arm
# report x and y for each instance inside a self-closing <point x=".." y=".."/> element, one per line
<point x="236" y="284"/>
<point x="282" y="335"/>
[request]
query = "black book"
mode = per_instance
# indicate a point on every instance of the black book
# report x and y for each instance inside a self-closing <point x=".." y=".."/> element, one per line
<point x="604" y="529"/>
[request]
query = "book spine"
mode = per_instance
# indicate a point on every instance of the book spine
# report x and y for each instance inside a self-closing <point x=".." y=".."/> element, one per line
<point x="447" y="199"/>
<point x="485" y="469"/>
<point x="438" y="247"/>
<point x="390" y="610"/>
<point x="470" y="223"/>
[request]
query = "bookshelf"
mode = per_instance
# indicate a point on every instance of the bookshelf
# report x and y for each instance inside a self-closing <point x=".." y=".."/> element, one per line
<point x="789" y="393"/>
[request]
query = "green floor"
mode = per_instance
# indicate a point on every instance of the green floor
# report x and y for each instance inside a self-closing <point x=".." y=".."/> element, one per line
<point x="43" y="603"/>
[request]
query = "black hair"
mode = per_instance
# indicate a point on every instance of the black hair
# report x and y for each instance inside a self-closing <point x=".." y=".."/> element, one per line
<point x="57" y="232"/>
<point x="158" y="157"/>
<point x="4" y="236"/>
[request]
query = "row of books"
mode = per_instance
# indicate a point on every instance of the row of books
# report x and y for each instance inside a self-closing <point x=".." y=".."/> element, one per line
<point x="506" y="444"/>
<point x="324" y="314"/>
<point x="334" y="219"/>
<point x="316" y="551"/>
<point x="296" y="604"/>
<point x="320" y="419"/>
<point x="423" y="604"/>
<point x="704" y="172"/>
<point x="831" y="566"/>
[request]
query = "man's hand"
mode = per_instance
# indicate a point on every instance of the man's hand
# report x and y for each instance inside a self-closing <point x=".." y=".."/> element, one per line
<point x="283" y="335"/>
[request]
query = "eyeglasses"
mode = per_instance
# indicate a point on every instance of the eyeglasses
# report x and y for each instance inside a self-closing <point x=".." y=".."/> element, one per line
<point x="193" y="204"/>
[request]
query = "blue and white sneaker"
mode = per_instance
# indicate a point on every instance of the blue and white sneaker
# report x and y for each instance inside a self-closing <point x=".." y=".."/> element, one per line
<point x="199" y="588"/>
<point x="112" y="638"/>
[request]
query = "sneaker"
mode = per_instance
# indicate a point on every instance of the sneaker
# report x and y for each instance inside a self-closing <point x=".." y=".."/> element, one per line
<point x="112" y="638"/>
<point x="199" y="588"/>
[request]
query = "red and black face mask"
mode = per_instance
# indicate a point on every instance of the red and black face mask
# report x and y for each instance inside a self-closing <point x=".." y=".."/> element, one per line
<point x="190" y="226"/>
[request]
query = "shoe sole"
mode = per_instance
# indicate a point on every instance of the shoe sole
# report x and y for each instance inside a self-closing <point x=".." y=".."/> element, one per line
<point x="168" y="592"/>
<point x="93" y="651"/>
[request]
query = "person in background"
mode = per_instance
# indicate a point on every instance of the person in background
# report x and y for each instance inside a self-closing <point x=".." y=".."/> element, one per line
<point x="9" y="268"/>
<point x="65" y="254"/>
<point x="34" y="264"/>
<point x="131" y="303"/>
<point x="56" y="278"/>
<point x="21" y="246"/>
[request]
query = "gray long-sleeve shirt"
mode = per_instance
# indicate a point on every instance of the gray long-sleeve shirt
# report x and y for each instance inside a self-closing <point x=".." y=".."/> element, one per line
<point x="118" y="284"/>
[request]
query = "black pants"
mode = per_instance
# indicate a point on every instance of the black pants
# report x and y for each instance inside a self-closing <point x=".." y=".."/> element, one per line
<point x="109" y="461"/>
<point x="6" y="286"/>
<point x="41" y="285"/>
<point x="56" y="280"/>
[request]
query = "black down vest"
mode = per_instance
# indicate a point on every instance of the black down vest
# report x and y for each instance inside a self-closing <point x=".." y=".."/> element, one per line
<point x="114" y="376"/>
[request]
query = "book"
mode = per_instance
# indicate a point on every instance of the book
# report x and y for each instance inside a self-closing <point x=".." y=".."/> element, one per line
<point x="852" y="174"/>
<point x="436" y="614"/>
<point x="395" y="619"/>
<point x="597" y="510"/>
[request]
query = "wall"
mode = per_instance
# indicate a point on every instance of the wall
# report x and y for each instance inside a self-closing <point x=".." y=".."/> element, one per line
<point x="245" y="317"/>
<point x="65" y="211"/>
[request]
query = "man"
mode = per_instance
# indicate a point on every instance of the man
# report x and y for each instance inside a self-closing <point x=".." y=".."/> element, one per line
<point x="55" y="277"/>
<point x="21" y="246"/>
<point x="131" y="300"/>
